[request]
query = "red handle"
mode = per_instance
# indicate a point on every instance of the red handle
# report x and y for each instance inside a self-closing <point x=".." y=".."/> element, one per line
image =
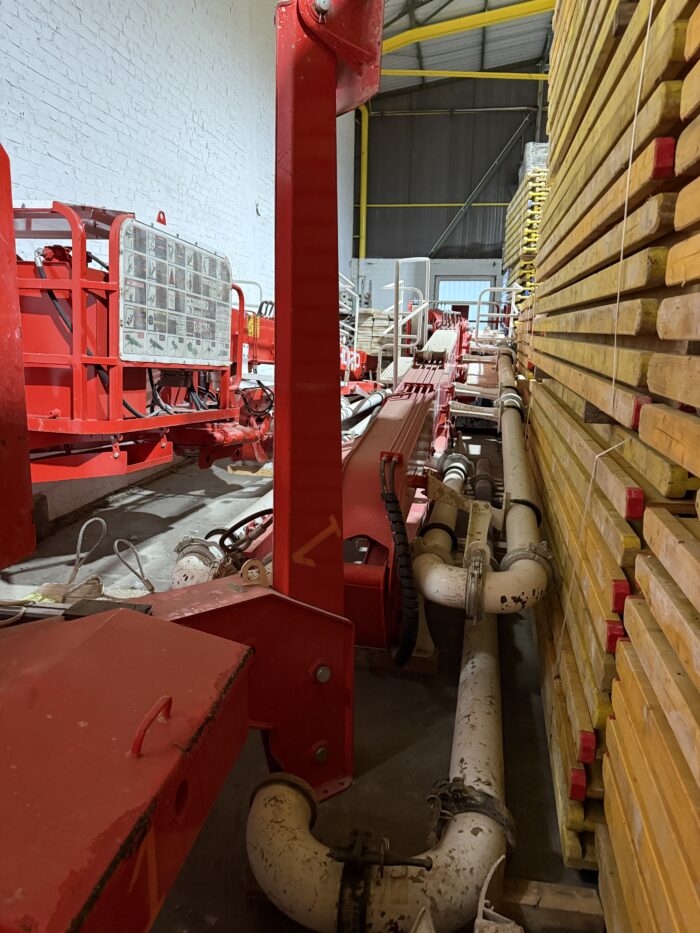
<point x="163" y="707"/>
<point x="241" y="328"/>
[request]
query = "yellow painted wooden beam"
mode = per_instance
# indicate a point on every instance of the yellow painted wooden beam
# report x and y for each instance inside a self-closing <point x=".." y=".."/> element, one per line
<point x="494" y="75"/>
<point x="452" y="27"/>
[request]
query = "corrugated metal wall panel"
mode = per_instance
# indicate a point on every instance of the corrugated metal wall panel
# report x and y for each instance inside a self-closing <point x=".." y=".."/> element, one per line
<point x="440" y="159"/>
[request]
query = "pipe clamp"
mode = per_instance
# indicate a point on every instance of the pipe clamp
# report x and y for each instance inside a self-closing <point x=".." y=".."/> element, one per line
<point x="510" y="398"/>
<point x="421" y="546"/>
<point x="447" y="799"/>
<point x="358" y="859"/>
<point x="541" y="553"/>
<point x="474" y="602"/>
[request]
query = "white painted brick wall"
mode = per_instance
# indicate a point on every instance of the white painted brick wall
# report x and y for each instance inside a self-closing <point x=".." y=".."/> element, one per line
<point x="154" y="104"/>
<point x="147" y="105"/>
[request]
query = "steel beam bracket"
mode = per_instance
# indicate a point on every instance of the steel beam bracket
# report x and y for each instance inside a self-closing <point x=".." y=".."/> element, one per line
<point x="437" y="491"/>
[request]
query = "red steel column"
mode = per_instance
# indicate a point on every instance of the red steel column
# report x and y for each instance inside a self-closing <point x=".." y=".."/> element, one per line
<point x="15" y="484"/>
<point x="308" y="545"/>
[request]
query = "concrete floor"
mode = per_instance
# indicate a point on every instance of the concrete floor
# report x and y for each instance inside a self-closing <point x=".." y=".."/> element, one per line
<point x="153" y="515"/>
<point x="403" y="721"/>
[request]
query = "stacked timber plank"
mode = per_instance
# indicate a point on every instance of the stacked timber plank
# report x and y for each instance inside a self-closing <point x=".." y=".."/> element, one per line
<point x="613" y="338"/>
<point x="370" y="334"/>
<point x="522" y="232"/>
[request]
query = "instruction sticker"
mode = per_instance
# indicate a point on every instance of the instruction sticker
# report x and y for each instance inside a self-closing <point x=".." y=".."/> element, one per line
<point x="174" y="300"/>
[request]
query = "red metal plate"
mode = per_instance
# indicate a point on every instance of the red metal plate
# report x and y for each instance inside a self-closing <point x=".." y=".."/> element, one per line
<point x="92" y="837"/>
<point x="307" y="721"/>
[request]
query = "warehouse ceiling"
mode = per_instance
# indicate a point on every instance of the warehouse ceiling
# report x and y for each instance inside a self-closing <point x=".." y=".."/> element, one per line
<point x="519" y="45"/>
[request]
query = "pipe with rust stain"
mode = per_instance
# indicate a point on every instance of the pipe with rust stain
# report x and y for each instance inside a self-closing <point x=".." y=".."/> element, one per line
<point x="525" y="582"/>
<point x="298" y="875"/>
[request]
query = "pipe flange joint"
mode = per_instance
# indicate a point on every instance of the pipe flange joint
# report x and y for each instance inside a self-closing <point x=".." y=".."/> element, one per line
<point x="541" y="553"/>
<point x="454" y="462"/>
<point x="474" y="590"/>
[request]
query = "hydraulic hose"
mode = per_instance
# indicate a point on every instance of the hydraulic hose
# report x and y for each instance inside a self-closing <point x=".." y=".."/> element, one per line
<point x="102" y="374"/>
<point x="410" y="609"/>
<point x="156" y="394"/>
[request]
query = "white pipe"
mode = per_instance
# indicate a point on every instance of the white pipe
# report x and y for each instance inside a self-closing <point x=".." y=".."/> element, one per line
<point x="525" y="582"/>
<point x="298" y="875"/>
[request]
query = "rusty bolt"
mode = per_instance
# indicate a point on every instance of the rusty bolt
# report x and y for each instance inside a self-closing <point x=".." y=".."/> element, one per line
<point x="322" y="673"/>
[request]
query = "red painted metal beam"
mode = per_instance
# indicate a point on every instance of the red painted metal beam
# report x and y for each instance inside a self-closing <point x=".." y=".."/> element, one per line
<point x="15" y="484"/>
<point x="325" y="64"/>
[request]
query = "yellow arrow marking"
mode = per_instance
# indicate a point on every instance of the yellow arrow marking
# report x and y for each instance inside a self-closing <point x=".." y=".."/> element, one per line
<point x="299" y="557"/>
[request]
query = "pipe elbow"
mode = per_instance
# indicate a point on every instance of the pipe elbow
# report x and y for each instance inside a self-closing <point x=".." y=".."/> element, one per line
<point x="439" y="582"/>
<point x="518" y="588"/>
<point x="292" y="867"/>
<point x="505" y="591"/>
<point x="298" y="875"/>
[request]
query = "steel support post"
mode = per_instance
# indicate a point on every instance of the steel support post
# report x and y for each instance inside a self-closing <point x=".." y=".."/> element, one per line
<point x="308" y="545"/>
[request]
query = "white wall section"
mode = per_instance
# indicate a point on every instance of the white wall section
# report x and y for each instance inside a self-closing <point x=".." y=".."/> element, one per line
<point x="147" y="105"/>
<point x="346" y="191"/>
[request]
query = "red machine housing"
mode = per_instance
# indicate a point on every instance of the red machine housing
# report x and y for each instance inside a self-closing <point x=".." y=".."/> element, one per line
<point x="122" y="670"/>
<point x="81" y="395"/>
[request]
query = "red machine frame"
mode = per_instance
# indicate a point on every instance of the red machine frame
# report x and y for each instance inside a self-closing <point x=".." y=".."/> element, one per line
<point x="75" y="419"/>
<point x="301" y="675"/>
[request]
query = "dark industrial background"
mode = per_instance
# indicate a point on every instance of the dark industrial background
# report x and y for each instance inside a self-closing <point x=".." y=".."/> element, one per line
<point x="450" y="151"/>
